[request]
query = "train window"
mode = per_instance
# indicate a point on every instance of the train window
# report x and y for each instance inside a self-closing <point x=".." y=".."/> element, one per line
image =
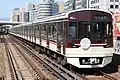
<point x="43" y="32"/>
<point x="72" y="30"/>
<point x="37" y="31"/>
<point x="49" y="31"/>
<point x="60" y="31"/>
<point x="83" y="30"/>
<point x="55" y="30"/>
<point x="52" y="32"/>
<point x="54" y="35"/>
<point x="99" y="30"/>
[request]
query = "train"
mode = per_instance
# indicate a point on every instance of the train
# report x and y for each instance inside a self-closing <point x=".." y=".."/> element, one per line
<point x="82" y="38"/>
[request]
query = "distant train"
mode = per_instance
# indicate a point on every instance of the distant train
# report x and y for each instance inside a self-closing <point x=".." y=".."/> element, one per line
<point x="82" y="38"/>
<point x="3" y="31"/>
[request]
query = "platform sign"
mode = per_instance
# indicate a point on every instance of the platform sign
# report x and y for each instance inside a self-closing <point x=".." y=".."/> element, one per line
<point x="116" y="25"/>
<point x="116" y="33"/>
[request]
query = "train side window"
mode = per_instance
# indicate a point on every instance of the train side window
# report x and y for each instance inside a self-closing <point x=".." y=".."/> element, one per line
<point x="60" y="31"/>
<point x="49" y="31"/>
<point x="43" y="32"/>
<point x="53" y="32"/>
<point x="72" y="30"/>
<point x="37" y="31"/>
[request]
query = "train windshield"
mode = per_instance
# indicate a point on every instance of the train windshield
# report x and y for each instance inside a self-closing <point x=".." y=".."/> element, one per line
<point x="96" y="32"/>
<point x="72" y="30"/>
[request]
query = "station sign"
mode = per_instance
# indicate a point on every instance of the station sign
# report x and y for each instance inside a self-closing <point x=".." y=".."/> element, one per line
<point x="116" y="25"/>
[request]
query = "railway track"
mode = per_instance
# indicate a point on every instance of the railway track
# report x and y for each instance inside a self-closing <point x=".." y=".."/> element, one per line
<point x="30" y="65"/>
<point x="14" y="75"/>
<point x="20" y="70"/>
<point x="55" y="69"/>
<point x="108" y="76"/>
<point x="58" y="70"/>
<point x="102" y="76"/>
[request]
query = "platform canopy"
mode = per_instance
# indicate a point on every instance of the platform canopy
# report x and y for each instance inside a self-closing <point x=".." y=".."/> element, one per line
<point x="9" y="23"/>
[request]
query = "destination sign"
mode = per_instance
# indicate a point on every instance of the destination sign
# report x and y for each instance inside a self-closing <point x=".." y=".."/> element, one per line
<point x="99" y="17"/>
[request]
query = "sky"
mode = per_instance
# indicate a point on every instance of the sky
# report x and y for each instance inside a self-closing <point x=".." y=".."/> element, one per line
<point x="6" y="6"/>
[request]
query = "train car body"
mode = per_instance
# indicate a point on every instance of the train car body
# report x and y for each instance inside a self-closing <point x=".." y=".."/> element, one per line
<point x="82" y="38"/>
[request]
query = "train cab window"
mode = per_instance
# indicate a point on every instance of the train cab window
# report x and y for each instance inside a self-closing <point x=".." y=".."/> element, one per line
<point x="83" y="30"/>
<point x="99" y="31"/>
<point x="96" y="32"/>
<point x="72" y="30"/>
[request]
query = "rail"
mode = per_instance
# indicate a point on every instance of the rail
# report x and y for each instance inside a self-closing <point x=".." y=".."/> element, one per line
<point x="108" y="76"/>
<point x="56" y="69"/>
<point x="14" y="75"/>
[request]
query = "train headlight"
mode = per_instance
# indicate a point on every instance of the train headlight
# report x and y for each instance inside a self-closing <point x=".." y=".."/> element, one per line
<point x="83" y="61"/>
<point x="85" y="43"/>
<point x="98" y="61"/>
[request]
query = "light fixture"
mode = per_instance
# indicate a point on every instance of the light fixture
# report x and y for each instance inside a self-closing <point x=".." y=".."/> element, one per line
<point x="85" y="43"/>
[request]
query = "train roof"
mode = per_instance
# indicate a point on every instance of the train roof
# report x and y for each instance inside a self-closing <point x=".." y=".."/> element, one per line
<point x="58" y="17"/>
<point x="64" y="15"/>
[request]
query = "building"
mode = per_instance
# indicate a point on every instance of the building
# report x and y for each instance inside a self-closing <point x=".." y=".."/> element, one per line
<point x="46" y="8"/>
<point x="61" y="7"/>
<point x="29" y="10"/>
<point x="76" y="4"/>
<point x="22" y="11"/>
<point x="15" y="15"/>
<point x="55" y="8"/>
<point x="34" y="11"/>
<point x="23" y="14"/>
<point x="26" y="16"/>
<point x="109" y="5"/>
<point x="84" y="3"/>
<point x="69" y="5"/>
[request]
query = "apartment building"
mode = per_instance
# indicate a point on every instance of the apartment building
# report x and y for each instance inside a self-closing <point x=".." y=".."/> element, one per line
<point x="108" y="5"/>
<point x="15" y="15"/>
<point x="46" y="8"/>
<point x="76" y="4"/>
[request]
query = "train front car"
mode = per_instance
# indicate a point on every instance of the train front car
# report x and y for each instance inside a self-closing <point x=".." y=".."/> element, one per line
<point x="90" y="39"/>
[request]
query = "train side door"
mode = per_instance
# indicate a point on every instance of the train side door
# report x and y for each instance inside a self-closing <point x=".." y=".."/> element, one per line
<point x="59" y="36"/>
